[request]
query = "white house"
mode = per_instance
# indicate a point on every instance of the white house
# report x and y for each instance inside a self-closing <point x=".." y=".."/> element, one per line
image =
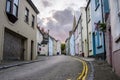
<point x="84" y="31"/>
<point x="39" y="40"/>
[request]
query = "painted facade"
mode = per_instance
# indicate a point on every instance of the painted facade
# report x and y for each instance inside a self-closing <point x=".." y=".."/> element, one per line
<point x="89" y="26"/>
<point x="84" y="31"/>
<point x="17" y="37"/>
<point x="55" y="47"/>
<point x="78" y="37"/>
<point x="72" y="45"/>
<point x="39" y="40"/>
<point x="67" y="44"/>
<point x="44" y="43"/>
<point x="51" y="46"/>
<point x="115" y="29"/>
<point x="98" y="35"/>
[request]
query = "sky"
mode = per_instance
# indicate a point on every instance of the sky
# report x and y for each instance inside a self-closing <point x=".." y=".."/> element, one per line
<point x="57" y="16"/>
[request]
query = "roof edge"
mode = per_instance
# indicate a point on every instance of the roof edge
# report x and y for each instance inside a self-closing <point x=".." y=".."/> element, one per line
<point x="33" y="6"/>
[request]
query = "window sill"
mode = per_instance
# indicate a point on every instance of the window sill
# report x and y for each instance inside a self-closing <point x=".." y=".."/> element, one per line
<point x="11" y="17"/>
<point x="97" y="7"/>
<point x="117" y="39"/>
<point x="90" y="50"/>
<point x="89" y="20"/>
<point x="26" y="22"/>
<point x="32" y="27"/>
<point x="99" y="47"/>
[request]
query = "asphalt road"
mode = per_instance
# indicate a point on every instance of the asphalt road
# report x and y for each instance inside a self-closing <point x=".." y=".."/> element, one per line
<point x="51" y="68"/>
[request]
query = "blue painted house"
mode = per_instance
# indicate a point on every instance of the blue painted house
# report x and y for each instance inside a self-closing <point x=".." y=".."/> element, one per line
<point x="95" y="11"/>
<point x="72" y="44"/>
<point x="98" y="37"/>
<point x="50" y="45"/>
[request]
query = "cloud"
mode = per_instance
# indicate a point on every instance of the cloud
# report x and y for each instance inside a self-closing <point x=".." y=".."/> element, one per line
<point x="63" y="17"/>
<point x="60" y="23"/>
<point x="57" y="15"/>
<point x="46" y="3"/>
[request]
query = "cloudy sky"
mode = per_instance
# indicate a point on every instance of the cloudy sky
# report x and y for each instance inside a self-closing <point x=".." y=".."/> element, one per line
<point x="57" y="15"/>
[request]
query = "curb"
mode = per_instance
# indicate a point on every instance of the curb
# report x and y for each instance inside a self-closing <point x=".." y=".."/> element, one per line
<point x="18" y="64"/>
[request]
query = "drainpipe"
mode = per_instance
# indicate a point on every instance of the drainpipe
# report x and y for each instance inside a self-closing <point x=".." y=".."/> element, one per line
<point x="102" y="8"/>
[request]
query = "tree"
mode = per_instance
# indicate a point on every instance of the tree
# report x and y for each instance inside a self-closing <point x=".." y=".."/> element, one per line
<point x="63" y="48"/>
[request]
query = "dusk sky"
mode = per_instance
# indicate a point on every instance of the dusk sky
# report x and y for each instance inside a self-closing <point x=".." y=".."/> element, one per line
<point x="57" y="15"/>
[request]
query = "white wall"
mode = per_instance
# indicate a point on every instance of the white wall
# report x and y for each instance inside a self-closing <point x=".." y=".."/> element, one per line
<point x="51" y="46"/>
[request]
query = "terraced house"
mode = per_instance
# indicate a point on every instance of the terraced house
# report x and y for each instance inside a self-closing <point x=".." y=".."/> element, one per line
<point x="18" y="30"/>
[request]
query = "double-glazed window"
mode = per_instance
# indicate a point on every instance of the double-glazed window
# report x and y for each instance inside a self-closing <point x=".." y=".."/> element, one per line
<point x="26" y="15"/>
<point x="12" y="7"/>
<point x="33" y="20"/>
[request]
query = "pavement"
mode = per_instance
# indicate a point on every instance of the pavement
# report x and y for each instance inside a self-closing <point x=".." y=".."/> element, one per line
<point x="103" y="71"/>
<point x="9" y="64"/>
<point x="100" y="70"/>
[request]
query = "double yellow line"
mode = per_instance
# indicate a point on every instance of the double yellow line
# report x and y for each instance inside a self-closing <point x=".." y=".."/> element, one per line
<point x="84" y="73"/>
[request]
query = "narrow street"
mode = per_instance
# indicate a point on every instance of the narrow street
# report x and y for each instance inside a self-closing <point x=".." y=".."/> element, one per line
<point x="50" y="68"/>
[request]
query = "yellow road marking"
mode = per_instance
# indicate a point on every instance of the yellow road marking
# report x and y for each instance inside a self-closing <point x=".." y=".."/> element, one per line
<point x="84" y="73"/>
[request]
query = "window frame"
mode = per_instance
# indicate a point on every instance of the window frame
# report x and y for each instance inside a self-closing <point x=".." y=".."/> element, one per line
<point x="33" y="21"/>
<point x="97" y="4"/>
<point x="16" y="5"/>
<point x="26" y="15"/>
<point x="11" y="7"/>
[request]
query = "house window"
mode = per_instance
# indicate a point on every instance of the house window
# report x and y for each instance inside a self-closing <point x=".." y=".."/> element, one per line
<point x="8" y="6"/>
<point x="12" y="9"/>
<point x="97" y="4"/>
<point x="90" y="41"/>
<point x="15" y="7"/>
<point x="26" y="15"/>
<point x="33" y="20"/>
<point x="118" y="8"/>
<point x="98" y="38"/>
<point x="100" y="35"/>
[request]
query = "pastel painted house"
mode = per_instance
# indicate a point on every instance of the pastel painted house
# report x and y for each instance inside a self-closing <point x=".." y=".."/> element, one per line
<point x="78" y="37"/>
<point x="84" y="31"/>
<point x="39" y="40"/>
<point x="44" y="43"/>
<point x="72" y="44"/>
<point x="115" y="27"/>
<point x="51" y="46"/>
<point x="98" y="35"/>
<point x="95" y="35"/>
<point x="89" y="21"/>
